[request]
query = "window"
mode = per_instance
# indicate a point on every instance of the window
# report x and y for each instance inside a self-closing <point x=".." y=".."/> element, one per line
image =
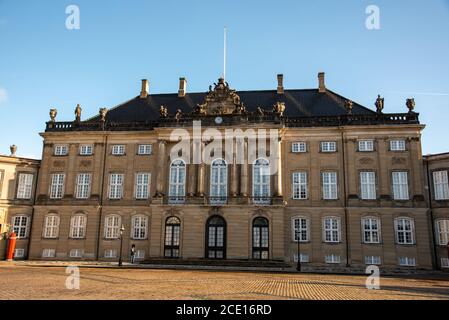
<point x="444" y="262"/>
<point x="371" y="230"/>
<point x="110" y="253"/>
<point x="139" y="254"/>
<point x="61" y="150"/>
<point x="331" y="230"/>
<point x="299" y="147"/>
<point x="25" y="186"/>
<point x="142" y="185"/>
<point x="397" y="145"/>
<point x="177" y="186"/>
<point x="260" y="239"/>
<point x="112" y="227"/>
<point x="218" y="181"/>
<point x="144" y="149"/>
<point x="366" y="145"/>
<point x="83" y="185"/>
<point x="20" y="226"/>
<point x="48" y="253"/>
<point x="139" y="227"/>
<point x="304" y="257"/>
<point x="261" y="181"/>
<point x="404" y="231"/>
<point x="86" y="150"/>
<point x="78" y="226"/>
<point x="19" y="253"/>
<point x="368" y="185"/>
<point x="407" y="261"/>
<point x="51" y="226"/>
<point x="328" y="146"/>
<point x="172" y="235"/>
<point x="329" y="181"/>
<point x="370" y="260"/>
<point x="216" y="238"/>
<point x="443" y="232"/>
<point x="400" y="185"/>
<point x="118" y="150"/>
<point x="299" y="185"/>
<point x="300" y="229"/>
<point x="76" y="253"/>
<point x="57" y="185"/>
<point x="115" y="186"/>
<point x="440" y="185"/>
<point x="332" y="258"/>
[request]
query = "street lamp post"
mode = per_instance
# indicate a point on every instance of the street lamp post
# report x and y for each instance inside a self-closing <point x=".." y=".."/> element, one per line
<point x="298" y="238"/>
<point x="121" y="246"/>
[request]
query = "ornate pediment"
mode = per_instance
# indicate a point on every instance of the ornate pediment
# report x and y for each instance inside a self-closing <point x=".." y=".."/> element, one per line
<point x="220" y="100"/>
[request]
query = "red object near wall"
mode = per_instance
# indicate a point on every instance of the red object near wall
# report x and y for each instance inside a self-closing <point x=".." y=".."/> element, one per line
<point x="11" y="246"/>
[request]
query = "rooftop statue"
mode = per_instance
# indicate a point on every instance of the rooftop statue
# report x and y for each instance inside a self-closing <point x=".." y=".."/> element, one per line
<point x="163" y="112"/>
<point x="379" y="104"/>
<point x="348" y="106"/>
<point x="78" y="113"/>
<point x="410" y="104"/>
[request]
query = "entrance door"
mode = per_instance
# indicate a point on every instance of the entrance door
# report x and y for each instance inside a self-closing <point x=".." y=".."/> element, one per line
<point x="260" y="238"/>
<point x="172" y="233"/>
<point x="216" y="238"/>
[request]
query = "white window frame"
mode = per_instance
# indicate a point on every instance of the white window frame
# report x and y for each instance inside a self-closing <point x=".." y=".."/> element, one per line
<point x="76" y="253"/>
<point x="20" y="228"/>
<point x="303" y="256"/>
<point x="144" y="149"/>
<point x="61" y="150"/>
<point x="139" y="227"/>
<point x="373" y="260"/>
<point x="86" y="150"/>
<point x="400" y="227"/>
<point x="328" y="146"/>
<point x="407" y="261"/>
<point x="142" y="185"/>
<point x="78" y="224"/>
<point x="19" y="253"/>
<point x="332" y="258"/>
<point x="399" y="181"/>
<point x="371" y="231"/>
<point x="139" y="254"/>
<point x="177" y="181"/>
<point x="331" y="231"/>
<point x="397" y="145"/>
<point x="48" y="253"/>
<point x="25" y="185"/>
<point x="218" y="181"/>
<point x="112" y="225"/>
<point x="442" y="229"/>
<point x="366" y="145"/>
<point x="261" y="181"/>
<point x="440" y="185"/>
<point x="51" y="226"/>
<point x="329" y="185"/>
<point x="299" y="147"/>
<point x="368" y="185"/>
<point x="57" y="186"/>
<point x="116" y="181"/>
<point x="83" y="183"/>
<point x="110" y="253"/>
<point x="299" y="185"/>
<point x="118" y="150"/>
<point x="304" y="229"/>
<point x="444" y="262"/>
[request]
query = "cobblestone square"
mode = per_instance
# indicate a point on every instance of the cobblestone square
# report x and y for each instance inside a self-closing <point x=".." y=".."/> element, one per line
<point x="49" y="282"/>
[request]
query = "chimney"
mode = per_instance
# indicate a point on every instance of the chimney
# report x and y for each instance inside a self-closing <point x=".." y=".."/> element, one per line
<point x="321" y="85"/>
<point x="280" y="84"/>
<point x="145" y="89"/>
<point x="182" y="87"/>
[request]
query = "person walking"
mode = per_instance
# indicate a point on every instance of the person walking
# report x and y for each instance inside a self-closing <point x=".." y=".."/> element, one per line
<point x="133" y="253"/>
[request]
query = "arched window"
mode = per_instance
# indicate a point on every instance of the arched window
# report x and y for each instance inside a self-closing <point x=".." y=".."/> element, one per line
<point x="405" y="230"/>
<point x="172" y="236"/>
<point x="261" y="181"/>
<point x="260" y="238"/>
<point x="112" y="226"/>
<point x="51" y="226"/>
<point x="139" y="228"/>
<point x="218" y="181"/>
<point x="177" y="185"/>
<point x="78" y="226"/>
<point x="216" y="238"/>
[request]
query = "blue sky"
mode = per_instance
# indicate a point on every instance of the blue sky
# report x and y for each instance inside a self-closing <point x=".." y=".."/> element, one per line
<point x="44" y="65"/>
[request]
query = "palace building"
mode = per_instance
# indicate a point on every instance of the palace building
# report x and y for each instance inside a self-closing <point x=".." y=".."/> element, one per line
<point x="339" y="186"/>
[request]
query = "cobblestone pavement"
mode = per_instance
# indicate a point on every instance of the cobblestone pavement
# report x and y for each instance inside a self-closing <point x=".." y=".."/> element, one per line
<point x="39" y="282"/>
